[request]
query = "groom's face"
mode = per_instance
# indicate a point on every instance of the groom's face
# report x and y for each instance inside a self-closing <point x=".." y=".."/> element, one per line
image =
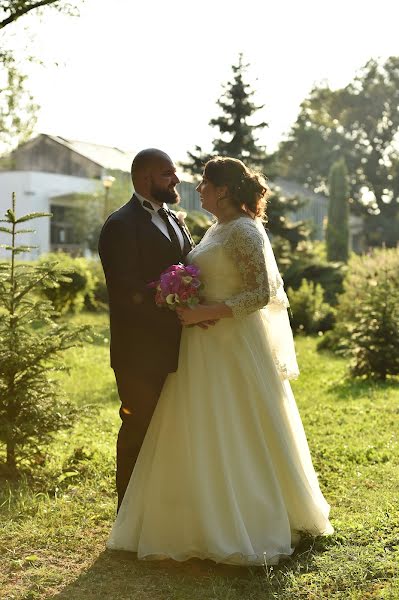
<point x="163" y="181"/>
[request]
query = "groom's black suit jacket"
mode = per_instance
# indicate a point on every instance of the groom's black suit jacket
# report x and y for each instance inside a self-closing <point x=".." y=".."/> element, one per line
<point x="134" y="252"/>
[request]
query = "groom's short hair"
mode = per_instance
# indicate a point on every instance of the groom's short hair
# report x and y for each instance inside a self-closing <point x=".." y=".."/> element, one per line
<point x="145" y="158"/>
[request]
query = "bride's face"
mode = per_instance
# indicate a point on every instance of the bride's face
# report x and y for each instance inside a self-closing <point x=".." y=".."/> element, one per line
<point x="209" y="195"/>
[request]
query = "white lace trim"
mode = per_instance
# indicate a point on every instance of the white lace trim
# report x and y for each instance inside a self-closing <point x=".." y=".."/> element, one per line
<point x="245" y="245"/>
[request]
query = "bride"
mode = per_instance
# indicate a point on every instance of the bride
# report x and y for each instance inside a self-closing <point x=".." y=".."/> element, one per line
<point x="225" y="471"/>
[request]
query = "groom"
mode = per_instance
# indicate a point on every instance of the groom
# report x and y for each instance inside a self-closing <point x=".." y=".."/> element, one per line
<point x="137" y="242"/>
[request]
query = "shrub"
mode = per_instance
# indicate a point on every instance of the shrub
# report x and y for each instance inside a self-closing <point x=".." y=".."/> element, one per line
<point x="97" y="300"/>
<point x="31" y="408"/>
<point x="317" y="271"/>
<point x="69" y="294"/>
<point x="367" y="318"/>
<point x="309" y="312"/>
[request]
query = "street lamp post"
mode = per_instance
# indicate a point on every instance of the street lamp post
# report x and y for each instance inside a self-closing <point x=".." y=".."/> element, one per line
<point x="107" y="180"/>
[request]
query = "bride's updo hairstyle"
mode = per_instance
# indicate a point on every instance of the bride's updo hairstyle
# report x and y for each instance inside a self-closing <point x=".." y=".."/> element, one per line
<point x="247" y="189"/>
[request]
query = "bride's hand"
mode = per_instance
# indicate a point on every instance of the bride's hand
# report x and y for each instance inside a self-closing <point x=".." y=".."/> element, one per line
<point x="204" y="314"/>
<point x="194" y="316"/>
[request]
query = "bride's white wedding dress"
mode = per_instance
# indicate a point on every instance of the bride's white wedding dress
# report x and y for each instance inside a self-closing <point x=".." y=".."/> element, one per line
<point x="225" y="471"/>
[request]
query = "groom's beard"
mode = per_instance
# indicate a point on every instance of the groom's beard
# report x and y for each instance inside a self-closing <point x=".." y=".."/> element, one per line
<point x="169" y="196"/>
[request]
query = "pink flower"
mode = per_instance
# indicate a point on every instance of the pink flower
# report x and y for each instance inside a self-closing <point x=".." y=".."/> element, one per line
<point x="174" y="268"/>
<point x="192" y="270"/>
<point x="177" y="285"/>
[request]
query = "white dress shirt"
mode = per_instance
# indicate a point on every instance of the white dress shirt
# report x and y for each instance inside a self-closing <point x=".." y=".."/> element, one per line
<point x="158" y="222"/>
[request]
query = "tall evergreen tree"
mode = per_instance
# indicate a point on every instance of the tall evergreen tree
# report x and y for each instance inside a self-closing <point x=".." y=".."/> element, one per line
<point x="237" y="136"/>
<point x="337" y="235"/>
<point x="238" y="139"/>
<point x="237" y="108"/>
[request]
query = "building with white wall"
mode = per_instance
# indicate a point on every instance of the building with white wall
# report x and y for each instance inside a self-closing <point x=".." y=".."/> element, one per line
<point x="34" y="193"/>
<point x="48" y="172"/>
<point x="45" y="173"/>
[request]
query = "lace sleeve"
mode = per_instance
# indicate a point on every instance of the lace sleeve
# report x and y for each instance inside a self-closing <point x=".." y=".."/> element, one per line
<point x="245" y="245"/>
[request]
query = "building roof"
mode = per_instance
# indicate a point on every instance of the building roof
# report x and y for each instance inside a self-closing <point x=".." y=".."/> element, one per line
<point x="106" y="156"/>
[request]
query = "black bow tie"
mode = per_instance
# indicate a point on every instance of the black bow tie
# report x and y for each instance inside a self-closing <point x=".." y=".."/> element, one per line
<point x="148" y="205"/>
<point x="161" y="211"/>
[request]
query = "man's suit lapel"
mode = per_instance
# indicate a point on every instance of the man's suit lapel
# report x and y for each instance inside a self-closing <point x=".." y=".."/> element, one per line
<point x="146" y="220"/>
<point x="153" y="235"/>
<point x="145" y="217"/>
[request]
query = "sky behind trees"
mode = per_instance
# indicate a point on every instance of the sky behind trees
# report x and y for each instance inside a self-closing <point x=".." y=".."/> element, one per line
<point x="135" y="74"/>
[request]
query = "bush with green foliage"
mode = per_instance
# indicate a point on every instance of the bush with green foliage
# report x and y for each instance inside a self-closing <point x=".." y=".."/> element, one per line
<point x="70" y="293"/>
<point x="31" y="408"/>
<point x="367" y="317"/>
<point x="309" y="312"/>
<point x="97" y="300"/>
<point x="316" y="271"/>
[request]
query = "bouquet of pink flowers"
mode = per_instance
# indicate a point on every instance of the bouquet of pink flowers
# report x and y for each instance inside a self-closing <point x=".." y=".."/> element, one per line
<point x="179" y="285"/>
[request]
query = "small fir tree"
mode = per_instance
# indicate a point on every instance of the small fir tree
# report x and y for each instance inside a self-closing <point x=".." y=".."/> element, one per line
<point x="31" y="407"/>
<point x="337" y="234"/>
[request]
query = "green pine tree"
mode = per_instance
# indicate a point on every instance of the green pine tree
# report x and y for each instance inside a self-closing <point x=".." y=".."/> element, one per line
<point x="237" y="136"/>
<point x="238" y="139"/>
<point x="337" y="234"/>
<point x="31" y="406"/>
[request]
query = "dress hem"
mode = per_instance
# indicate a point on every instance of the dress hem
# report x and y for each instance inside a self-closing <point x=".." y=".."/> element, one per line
<point x="236" y="558"/>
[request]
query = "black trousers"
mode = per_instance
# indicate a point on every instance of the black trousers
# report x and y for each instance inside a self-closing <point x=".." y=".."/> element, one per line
<point x="138" y="393"/>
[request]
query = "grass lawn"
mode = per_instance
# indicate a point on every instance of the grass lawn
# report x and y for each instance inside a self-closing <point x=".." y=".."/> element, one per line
<point x="53" y="531"/>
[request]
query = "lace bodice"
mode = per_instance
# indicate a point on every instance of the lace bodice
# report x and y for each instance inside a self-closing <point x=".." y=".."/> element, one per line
<point x="231" y="259"/>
